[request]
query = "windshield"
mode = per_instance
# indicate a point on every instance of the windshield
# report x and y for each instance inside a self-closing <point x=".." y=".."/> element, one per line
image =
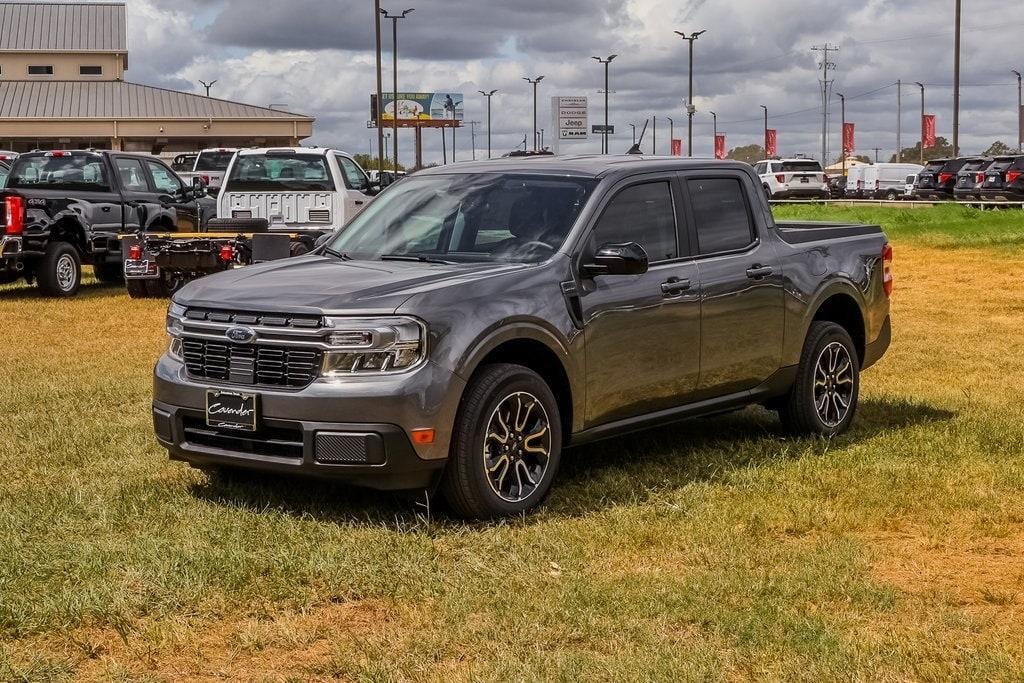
<point x="69" y="171"/>
<point x="801" y="166"/>
<point x="467" y="218"/>
<point x="280" y="173"/>
<point x="214" y="161"/>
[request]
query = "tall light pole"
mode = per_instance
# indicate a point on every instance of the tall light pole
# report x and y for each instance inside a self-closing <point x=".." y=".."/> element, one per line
<point x="534" y="82"/>
<point x="488" y="95"/>
<point x="394" y="95"/>
<point x="671" y="133"/>
<point x="472" y="134"/>
<point x="1020" y="115"/>
<point x="714" y="119"/>
<point x="207" y="86"/>
<point x="842" y="130"/>
<point x="654" y="136"/>
<point x="380" y="94"/>
<point x="765" y="130"/>
<point x="921" y="86"/>
<point x="956" y="81"/>
<point x="606" y="62"/>
<point x="689" y="102"/>
<point x="633" y="126"/>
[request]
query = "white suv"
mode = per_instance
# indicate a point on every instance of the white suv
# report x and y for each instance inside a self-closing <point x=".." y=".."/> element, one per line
<point x="787" y="178"/>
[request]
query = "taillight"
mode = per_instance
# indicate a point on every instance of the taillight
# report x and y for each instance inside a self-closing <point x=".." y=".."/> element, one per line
<point x="227" y="253"/>
<point x="1012" y="176"/>
<point x="780" y="177"/>
<point x="887" y="269"/>
<point x="15" y="209"/>
<point x="945" y="178"/>
<point x="205" y="179"/>
<point x="979" y="177"/>
<point x="135" y="252"/>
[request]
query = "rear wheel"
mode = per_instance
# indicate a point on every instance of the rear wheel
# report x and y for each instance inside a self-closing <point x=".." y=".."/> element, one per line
<point x="823" y="399"/>
<point x="506" y="446"/>
<point x="165" y="285"/>
<point x="298" y="249"/>
<point x="891" y="196"/>
<point x="109" y="273"/>
<point x="136" y="289"/>
<point x="59" y="273"/>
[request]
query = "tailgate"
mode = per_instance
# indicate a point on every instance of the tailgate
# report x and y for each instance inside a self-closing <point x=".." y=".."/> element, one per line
<point x="291" y="208"/>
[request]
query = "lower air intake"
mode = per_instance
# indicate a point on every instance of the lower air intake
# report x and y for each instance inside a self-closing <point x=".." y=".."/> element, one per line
<point x="348" y="448"/>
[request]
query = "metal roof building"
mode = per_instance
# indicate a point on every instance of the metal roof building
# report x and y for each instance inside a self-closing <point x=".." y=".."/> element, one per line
<point x="62" y="67"/>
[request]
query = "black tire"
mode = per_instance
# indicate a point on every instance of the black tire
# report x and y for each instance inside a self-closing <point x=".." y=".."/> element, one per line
<point x="298" y="249"/>
<point x="891" y="196"/>
<point x="164" y="286"/>
<point x="59" y="272"/>
<point x="466" y="483"/>
<point x="801" y="410"/>
<point x="109" y="273"/>
<point x="136" y="289"/>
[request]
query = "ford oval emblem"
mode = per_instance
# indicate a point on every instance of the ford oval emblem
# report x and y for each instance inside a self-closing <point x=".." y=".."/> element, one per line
<point x="241" y="335"/>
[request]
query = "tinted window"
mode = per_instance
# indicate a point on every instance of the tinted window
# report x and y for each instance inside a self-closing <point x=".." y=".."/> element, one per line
<point x="131" y="175"/>
<point x="643" y="214"/>
<point x="720" y="213"/>
<point x="90" y="70"/>
<point x="40" y="71"/>
<point x="355" y="179"/>
<point x="801" y="166"/>
<point x="761" y="168"/>
<point x="65" y="172"/>
<point x="163" y="179"/>
<point x="284" y="172"/>
<point x="213" y="161"/>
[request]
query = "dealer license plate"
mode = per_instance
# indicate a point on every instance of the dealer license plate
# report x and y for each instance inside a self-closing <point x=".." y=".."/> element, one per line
<point x="231" y="410"/>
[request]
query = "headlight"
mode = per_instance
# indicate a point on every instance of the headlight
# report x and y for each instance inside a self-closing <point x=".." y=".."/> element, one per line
<point x="363" y="346"/>
<point x="174" y="349"/>
<point x="175" y="312"/>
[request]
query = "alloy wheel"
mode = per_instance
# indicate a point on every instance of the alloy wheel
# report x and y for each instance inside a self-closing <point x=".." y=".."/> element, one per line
<point x="66" y="273"/>
<point x="833" y="384"/>
<point x="517" y="446"/>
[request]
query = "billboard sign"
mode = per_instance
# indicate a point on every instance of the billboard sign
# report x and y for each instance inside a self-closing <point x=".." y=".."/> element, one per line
<point x="569" y="117"/>
<point x="420" y="108"/>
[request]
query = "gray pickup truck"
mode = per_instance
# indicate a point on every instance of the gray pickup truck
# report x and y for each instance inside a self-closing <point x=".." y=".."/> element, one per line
<point x="477" y="319"/>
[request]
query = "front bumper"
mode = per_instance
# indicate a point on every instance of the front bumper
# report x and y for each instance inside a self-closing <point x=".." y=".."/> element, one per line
<point x="355" y="430"/>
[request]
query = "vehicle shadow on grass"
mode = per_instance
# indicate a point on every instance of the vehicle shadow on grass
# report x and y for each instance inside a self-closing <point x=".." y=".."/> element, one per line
<point x="592" y="477"/>
<point x="88" y="290"/>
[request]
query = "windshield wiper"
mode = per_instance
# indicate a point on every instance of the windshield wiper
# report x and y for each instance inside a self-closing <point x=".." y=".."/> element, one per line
<point x="337" y="254"/>
<point x="421" y="258"/>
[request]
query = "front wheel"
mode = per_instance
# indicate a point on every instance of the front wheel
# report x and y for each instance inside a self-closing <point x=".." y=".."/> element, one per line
<point x="824" y="396"/>
<point x="60" y="271"/>
<point x="891" y="196"/>
<point x="506" y="446"/>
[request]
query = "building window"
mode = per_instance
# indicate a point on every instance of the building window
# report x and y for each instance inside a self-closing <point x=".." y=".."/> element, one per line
<point x="40" y="70"/>
<point x="90" y="71"/>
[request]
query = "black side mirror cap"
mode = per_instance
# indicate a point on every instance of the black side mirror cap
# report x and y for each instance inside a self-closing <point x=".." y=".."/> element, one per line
<point x="620" y="258"/>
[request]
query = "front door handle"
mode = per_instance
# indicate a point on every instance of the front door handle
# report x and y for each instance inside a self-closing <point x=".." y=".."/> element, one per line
<point x="756" y="272"/>
<point x="359" y="202"/>
<point x="674" y="286"/>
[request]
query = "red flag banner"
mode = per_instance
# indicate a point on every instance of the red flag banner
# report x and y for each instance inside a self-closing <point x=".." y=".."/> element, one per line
<point x="720" y="146"/>
<point x="771" y="142"/>
<point x="928" y="130"/>
<point x="849" y="144"/>
<point x="677" y="147"/>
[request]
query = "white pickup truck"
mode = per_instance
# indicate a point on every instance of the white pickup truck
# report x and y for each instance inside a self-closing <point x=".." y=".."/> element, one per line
<point x="294" y="188"/>
<point x="209" y="166"/>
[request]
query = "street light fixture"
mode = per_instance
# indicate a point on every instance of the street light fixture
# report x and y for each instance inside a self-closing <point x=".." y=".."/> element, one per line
<point x="394" y="95"/>
<point x="488" y="95"/>
<point x="671" y="133"/>
<point x="534" y="82"/>
<point x="842" y="130"/>
<point x="1020" y="114"/>
<point x="921" y="85"/>
<point x="606" y="62"/>
<point x="714" y="119"/>
<point x="207" y="86"/>
<point x="690" y="109"/>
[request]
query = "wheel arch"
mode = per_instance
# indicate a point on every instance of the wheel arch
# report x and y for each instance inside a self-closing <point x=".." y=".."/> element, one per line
<point x="70" y="229"/>
<point x="840" y="306"/>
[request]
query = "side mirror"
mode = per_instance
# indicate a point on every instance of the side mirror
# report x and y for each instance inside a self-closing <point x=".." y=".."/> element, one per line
<point x="323" y="239"/>
<point x="372" y="188"/>
<point x="624" y="258"/>
<point x="198" y="187"/>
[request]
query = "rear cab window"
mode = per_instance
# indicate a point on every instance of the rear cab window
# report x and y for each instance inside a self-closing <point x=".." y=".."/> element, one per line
<point x="801" y="167"/>
<point x="76" y="171"/>
<point x="280" y="172"/>
<point x="721" y="215"/>
<point x="214" y="161"/>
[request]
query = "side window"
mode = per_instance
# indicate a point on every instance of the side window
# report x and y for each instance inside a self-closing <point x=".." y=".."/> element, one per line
<point x="163" y="179"/>
<point x="721" y="214"/>
<point x="643" y="214"/>
<point x="761" y="168"/>
<point x="132" y="177"/>
<point x="355" y="179"/>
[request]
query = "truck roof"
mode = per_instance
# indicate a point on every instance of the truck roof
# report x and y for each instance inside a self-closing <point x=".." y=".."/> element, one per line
<point x="294" y="150"/>
<point x="585" y="165"/>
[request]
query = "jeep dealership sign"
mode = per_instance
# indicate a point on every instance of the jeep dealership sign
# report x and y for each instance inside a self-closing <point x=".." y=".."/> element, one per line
<point x="569" y="118"/>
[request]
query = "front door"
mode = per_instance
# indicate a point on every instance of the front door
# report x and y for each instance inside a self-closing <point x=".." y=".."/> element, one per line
<point x="356" y="184"/>
<point x="742" y="298"/>
<point x="641" y="332"/>
<point x="172" y="195"/>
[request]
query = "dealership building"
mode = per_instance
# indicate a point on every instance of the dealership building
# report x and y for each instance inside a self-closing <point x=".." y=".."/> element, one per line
<point x="62" y="85"/>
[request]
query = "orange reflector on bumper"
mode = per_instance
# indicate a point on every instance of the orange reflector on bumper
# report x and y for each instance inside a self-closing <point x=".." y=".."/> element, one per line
<point x="422" y="436"/>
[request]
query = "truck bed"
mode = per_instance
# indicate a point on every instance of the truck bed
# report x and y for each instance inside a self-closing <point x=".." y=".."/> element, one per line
<point x="798" y="232"/>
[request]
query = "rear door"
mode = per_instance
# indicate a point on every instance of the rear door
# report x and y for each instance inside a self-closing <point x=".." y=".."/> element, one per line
<point x="141" y="208"/>
<point x="641" y="332"/>
<point x="741" y="295"/>
<point x="181" y="209"/>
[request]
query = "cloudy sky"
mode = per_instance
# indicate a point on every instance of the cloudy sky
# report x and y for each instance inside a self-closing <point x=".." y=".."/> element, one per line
<point x="316" y="57"/>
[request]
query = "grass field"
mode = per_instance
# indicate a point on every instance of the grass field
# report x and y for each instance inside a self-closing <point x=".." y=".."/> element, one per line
<point x="716" y="549"/>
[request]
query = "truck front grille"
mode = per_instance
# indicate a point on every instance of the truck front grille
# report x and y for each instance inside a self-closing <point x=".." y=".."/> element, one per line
<point x="277" y="366"/>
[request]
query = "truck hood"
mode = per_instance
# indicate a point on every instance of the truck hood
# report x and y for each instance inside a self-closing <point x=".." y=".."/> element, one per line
<point x="325" y="284"/>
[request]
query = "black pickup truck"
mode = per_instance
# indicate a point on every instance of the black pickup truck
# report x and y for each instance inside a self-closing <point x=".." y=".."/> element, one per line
<point x="65" y="208"/>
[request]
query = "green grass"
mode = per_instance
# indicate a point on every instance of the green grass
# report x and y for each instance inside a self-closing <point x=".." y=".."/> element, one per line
<point x="715" y="549"/>
<point x="943" y="226"/>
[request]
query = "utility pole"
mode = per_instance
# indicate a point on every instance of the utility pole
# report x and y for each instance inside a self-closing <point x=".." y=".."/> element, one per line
<point x="765" y="130"/>
<point x="826" y="86"/>
<point x="671" y="133"/>
<point x="714" y="118"/>
<point x="488" y="95"/>
<point x="842" y="131"/>
<point x="380" y="94"/>
<point x="877" y="150"/>
<point x="394" y="94"/>
<point x="654" y="137"/>
<point x="956" y="82"/>
<point x="472" y="135"/>
<point x="606" y="62"/>
<point x="534" y="82"/>
<point x="899" y="122"/>
<point x="1020" y="115"/>
<point x="921" y="85"/>
<point x="207" y="86"/>
<point x="690" y="109"/>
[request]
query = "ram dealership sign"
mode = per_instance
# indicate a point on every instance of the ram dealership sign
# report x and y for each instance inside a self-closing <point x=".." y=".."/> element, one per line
<point x="569" y="118"/>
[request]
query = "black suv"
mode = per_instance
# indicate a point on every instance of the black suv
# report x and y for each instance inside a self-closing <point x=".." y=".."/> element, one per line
<point x="970" y="178"/>
<point x="938" y="178"/>
<point x="1004" y="180"/>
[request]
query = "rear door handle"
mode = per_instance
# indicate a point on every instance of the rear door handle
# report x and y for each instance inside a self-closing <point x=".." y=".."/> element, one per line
<point x="757" y="272"/>
<point x="674" y="286"/>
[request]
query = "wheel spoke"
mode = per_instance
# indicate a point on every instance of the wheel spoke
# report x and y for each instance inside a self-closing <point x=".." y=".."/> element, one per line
<point x="517" y="446"/>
